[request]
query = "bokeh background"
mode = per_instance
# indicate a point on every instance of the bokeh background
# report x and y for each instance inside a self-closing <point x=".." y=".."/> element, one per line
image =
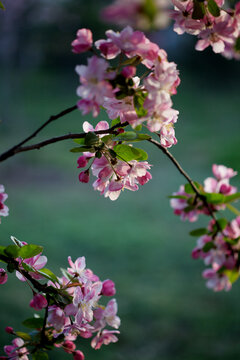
<point x="167" y="312"/>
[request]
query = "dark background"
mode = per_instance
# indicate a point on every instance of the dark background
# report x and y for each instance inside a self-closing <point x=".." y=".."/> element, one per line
<point x="165" y="308"/>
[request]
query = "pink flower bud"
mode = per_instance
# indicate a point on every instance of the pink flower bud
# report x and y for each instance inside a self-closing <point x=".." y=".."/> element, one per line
<point x="9" y="330"/>
<point x="120" y="130"/>
<point x="3" y="276"/>
<point x="84" y="176"/>
<point x="38" y="302"/>
<point x="129" y="71"/>
<point x="108" y="288"/>
<point x="78" y="355"/>
<point x="69" y="346"/>
<point x="83" y="42"/>
<point x="82" y="161"/>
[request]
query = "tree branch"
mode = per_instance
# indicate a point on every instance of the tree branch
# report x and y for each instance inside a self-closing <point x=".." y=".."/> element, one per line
<point x="18" y="148"/>
<point x="12" y="151"/>
<point x="190" y="181"/>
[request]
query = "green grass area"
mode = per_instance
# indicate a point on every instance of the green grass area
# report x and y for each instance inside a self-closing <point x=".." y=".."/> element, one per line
<point x="166" y="311"/>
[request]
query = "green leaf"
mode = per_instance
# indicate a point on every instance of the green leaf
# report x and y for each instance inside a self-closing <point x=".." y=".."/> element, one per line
<point x="231" y="198"/>
<point x="2" y="6"/>
<point x="82" y="149"/>
<point x="178" y="197"/>
<point x="138" y="127"/>
<point x="28" y="251"/>
<point x="237" y="45"/>
<point x="91" y="138"/>
<point x="231" y="241"/>
<point x="23" y="335"/>
<point x="40" y="355"/>
<point x="128" y="153"/>
<point x="232" y="275"/>
<point x="126" y="136"/>
<point x="208" y="246"/>
<point x="27" y="267"/>
<point x="10" y="267"/>
<point x="48" y="274"/>
<point x="2" y="248"/>
<point x="134" y="61"/>
<point x="12" y="251"/>
<point x="222" y="223"/>
<point x="79" y="141"/>
<point x="115" y="121"/>
<point x="198" y="232"/>
<point x="213" y="8"/>
<point x="33" y="323"/>
<point x="150" y="9"/>
<point x="189" y="189"/>
<point x="198" y="10"/>
<point x="138" y="100"/>
<point x="215" y="198"/>
<point x="107" y="139"/>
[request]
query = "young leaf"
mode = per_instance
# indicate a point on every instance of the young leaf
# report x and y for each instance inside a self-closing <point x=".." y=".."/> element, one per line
<point x="126" y="136"/>
<point x="215" y="198"/>
<point x="48" y="274"/>
<point x="115" y="121"/>
<point x="198" y="10"/>
<point x="128" y="153"/>
<point x="183" y="197"/>
<point x="33" y="323"/>
<point x="149" y="8"/>
<point x="138" y="100"/>
<point x="213" y="8"/>
<point x="12" y="251"/>
<point x="134" y="61"/>
<point x="23" y="335"/>
<point x="91" y="139"/>
<point x="222" y="223"/>
<point x="2" y="6"/>
<point x="208" y="246"/>
<point x="82" y="149"/>
<point x="231" y="198"/>
<point x="198" y="232"/>
<point x="79" y="141"/>
<point x="232" y="275"/>
<point x="237" y="45"/>
<point x="40" y="355"/>
<point x="28" y="251"/>
<point x="2" y="248"/>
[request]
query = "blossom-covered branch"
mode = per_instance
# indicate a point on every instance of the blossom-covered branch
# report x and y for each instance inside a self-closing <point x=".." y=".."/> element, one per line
<point x="71" y="304"/>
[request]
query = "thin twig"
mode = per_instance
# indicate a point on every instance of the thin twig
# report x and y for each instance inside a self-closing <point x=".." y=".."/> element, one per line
<point x="17" y="149"/>
<point x="191" y="182"/>
<point x="12" y="151"/>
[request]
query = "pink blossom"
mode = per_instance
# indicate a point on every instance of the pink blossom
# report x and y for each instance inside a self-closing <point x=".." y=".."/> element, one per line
<point x="108" y="288"/>
<point x="84" y="176"/>
<point x="3" y="276"/>
<point x="179" y="205"/>
<point x="217" y="282"/>
<point x="222" y="172"/>
<point x="69" y="346"/>
<point x="108" y="49"/>
<point x="94" y="85"/>
<point x="3" y="208"/>
<point x="56" y="317"/>
<point x="83" y="42"/>
<point x="16" y="351"/>
<point x="78" y="355"/>
<point x="9" y="330"/>
<point x="105" y="337"/>
<point x="38" y="302"/>
<point x="129" y="71"/>
<point x="82" y="161"/>
<point x="36" y="262"/>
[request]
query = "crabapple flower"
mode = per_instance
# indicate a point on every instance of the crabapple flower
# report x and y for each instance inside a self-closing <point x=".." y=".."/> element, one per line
<point x="16" y="351"/>
<point x="108" y="288"/>
<point x="83" y="42"/>
<point x="134" y="13"/>
<point x="3" y="276"/>
<point x="38" y="302"/>
<point x="105" y="337"/>
<point x="36" y="262"/>
<point x="78" y="355"/>
<point x="3" y="208"/>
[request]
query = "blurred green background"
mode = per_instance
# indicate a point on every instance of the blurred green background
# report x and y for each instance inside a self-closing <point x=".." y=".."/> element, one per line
<point x="167" y="312"/>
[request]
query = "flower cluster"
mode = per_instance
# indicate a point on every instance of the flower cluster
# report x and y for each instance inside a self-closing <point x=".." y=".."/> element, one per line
<point x="218" y="244"/>
<point x="187" y="205"/>
<point x="220" y="251"/>
<point x="140" y="14"/>
<point x="3" y="208"/>
<point x="211" y="23"/>
<point x="113" y="175"/>
<point x="122" y="94"/>
<point x="127" y="100"/>
<point x="71" y="302"/>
